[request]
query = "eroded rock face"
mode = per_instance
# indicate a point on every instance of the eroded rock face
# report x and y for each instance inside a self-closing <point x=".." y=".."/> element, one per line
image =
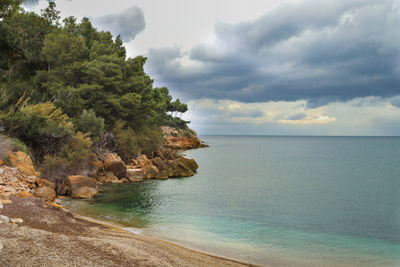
<point x="82" y="186"/>
<point x="47" y="193"/>
<point x="22" y="162"/>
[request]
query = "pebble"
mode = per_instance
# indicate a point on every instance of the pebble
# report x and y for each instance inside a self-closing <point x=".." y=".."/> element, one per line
<point x="1" y="206"/>
<point x="4" y="219"/>
<point x="16" y="220"/>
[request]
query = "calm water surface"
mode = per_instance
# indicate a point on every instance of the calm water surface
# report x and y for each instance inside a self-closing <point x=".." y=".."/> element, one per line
<point x="286" y="201"/>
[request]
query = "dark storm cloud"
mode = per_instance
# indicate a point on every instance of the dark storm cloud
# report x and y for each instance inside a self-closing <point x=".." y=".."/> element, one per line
<point x="321" y="51"/>
<point x="128" y="23"/>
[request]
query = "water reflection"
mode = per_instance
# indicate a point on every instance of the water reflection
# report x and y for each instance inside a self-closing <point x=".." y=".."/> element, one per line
<point x="127" y="204"/>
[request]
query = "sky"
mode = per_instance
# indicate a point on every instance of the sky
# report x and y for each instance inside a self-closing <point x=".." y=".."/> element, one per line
<point x="265" y="67"/>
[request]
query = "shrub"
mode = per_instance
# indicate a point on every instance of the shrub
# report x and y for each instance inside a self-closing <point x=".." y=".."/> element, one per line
<point x="150" y="139"/>
<point x="73" y="160"/>
<point x="90" y="123"/>
<point x="79" y="148"/>
<point x="127" y="145"/>
<point x="43" y="127"/>
<point x="54" y="168"/>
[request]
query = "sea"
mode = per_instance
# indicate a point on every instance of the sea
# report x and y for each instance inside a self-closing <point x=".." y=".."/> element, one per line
<point x="272" y="200"/>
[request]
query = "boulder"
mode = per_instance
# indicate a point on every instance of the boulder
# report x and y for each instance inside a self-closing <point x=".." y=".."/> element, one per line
<point x="143" y="161"/>
<point x="109" y="177"/>
<point x="47" y="193"/>
<point x="115" y="166"/>
<point x="97" y="164"/>
<point x="162" y="175"/>
<point x="124" y="180"/>
<point x="150" y="171"/>
<point x="22" y="162"/>
<point x="24" y="194"/>
<point x="161" y="165"/>
<point x="82" y="186"/>
<point x="45" y="183"/>
<point x="184" y="167"/>
<point x="135" y="175"/>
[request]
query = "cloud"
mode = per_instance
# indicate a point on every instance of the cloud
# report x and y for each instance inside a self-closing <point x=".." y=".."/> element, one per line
<point x="128" y="23"/>
<point x="369" y="116"/>
<point x="319" y="51"/>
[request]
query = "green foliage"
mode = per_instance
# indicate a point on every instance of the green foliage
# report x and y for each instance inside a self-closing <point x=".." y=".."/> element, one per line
<point x="149" y="139"/>
<point x="74" y="159"/>
<point x="18" y="145"/>
<point x="8" y="7"/>
<point x="126" y="141"/>
<point x="90" y="123"/>
<point x="78" y="149"/>
<point x="74" y="73"/>
<point x="43" y="127"/>
<point x="51" y="14"/>
<point x="54" y="168"/>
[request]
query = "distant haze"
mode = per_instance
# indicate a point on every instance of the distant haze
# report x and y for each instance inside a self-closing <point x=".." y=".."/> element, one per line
<point x="313" y="67"/>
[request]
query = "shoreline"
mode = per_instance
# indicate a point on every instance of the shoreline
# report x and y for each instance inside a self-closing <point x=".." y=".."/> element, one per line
<point x="52" y="237"/>
<point x="120" y="228"/>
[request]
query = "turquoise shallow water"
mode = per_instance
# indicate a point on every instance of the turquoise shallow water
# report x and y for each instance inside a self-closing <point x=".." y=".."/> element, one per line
<point x="286" y="201"/>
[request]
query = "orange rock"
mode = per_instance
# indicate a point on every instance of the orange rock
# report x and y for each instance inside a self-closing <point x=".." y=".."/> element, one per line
<point x="45" y="183"/>
<point x="115" y="166"/>
<point x="54" y="205"/>
<point x="22" y="162"/>
<point x="97" y="164"/>
<point x="47" y="193"/>
<point x="82" y="186"/>
<point x="24" y="194"/>
<point x="3" y="162"/>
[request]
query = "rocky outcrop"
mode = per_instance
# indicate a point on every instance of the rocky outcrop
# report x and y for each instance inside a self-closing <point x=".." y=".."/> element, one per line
<point x="162" y="164"/>
<point x="82" y="186"/>
<point x="182" y="139"/>
<point x="183" y="167"/>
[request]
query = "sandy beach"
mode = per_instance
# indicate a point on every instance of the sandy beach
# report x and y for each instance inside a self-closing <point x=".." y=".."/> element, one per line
<point x="51" y="237"/>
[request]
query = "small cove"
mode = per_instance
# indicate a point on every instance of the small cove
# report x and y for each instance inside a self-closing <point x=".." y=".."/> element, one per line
<point x="273" y="200"/>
